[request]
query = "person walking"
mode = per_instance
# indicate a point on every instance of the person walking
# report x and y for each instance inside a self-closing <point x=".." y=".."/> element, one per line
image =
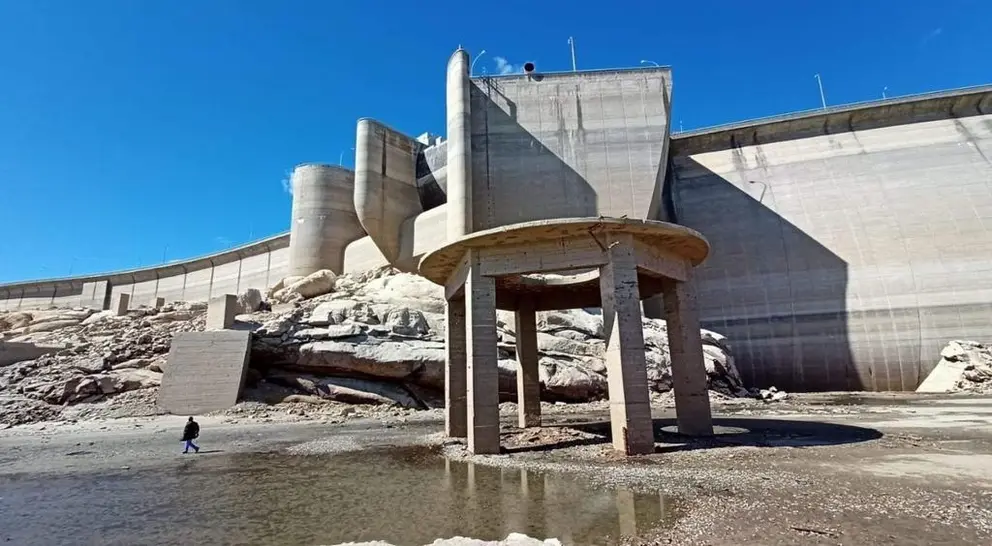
<point x="190" y="433"/>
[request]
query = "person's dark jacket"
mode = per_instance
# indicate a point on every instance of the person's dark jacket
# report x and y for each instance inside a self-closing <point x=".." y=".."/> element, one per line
<point x="191" y="431"/>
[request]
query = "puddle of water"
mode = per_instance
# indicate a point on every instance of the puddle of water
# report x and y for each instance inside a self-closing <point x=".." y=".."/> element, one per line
<point x="406" y="496"/>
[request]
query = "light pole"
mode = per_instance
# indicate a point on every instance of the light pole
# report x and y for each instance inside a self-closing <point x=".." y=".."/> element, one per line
<point x="819" y="82"/>
<point x="471" y="67"/>
<point x="341" y="157"/>
<point x="644" y="61"/>
<point x="571" y="45"/>
<point x="884" y="89"/>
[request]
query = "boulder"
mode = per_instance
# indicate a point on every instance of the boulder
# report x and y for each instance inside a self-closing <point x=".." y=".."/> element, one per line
<point x="250" y="300"/>
<point x="383" y="359"/>
<point x="17" y="319"/>
<point x="129" y="380"/>
<point x="51" y="325"/>
<point x="315" y="284"/>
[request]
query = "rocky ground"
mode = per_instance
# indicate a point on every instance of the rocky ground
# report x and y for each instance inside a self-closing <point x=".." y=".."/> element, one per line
<point x="373" y="342"/>
<point x="976" y="376"/>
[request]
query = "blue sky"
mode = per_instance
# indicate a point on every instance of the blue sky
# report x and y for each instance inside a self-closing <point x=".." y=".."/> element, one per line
<point x="132" y="130"/>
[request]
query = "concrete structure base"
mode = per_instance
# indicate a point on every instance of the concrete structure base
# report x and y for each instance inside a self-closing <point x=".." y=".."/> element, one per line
<point x="221" y="312"/>
<point x="503" y="268"/>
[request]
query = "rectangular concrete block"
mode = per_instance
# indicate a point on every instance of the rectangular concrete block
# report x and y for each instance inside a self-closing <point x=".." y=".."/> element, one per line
<point x="121" y="304"/>
<point x="12" y="352"/>
<point x="205" y="371"/>
<point x="157" y="303"/>
<point x="221" y="311"/>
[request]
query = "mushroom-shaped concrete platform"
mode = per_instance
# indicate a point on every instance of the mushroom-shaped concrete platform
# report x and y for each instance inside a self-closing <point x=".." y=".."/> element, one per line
<point x="566" y="264"/>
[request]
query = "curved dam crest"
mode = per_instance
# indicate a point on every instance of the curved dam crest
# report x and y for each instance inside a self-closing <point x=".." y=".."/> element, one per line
<point x="848" y="244"/>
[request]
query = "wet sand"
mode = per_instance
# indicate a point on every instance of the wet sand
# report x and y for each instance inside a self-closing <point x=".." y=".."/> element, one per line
<point x="828" y="470"/>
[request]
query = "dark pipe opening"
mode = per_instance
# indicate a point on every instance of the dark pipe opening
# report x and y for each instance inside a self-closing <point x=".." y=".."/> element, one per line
<point x="528" y="67"/>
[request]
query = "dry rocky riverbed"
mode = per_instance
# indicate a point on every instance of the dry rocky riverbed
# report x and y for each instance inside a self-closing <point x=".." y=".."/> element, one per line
<point x="824" y="469"/>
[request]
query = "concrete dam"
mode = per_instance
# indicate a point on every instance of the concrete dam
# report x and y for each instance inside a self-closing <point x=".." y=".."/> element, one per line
<point x="848" y="245"/>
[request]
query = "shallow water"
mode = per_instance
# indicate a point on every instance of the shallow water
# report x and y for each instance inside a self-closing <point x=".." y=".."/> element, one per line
<point x="407" y="495"/>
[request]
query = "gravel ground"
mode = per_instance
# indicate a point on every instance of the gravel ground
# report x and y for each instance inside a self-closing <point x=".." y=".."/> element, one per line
<point x="825" y="469"/>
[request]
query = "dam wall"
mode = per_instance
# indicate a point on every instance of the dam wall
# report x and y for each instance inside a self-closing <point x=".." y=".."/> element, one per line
<point x="848" y="246"/>
<point x="255" y="265"/>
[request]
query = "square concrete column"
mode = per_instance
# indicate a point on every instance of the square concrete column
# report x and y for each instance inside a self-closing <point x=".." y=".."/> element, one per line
<point x="528" y="377"/>
<point x="481" y="357"/>
<point x="692" y="399"/>
<point x="157" y="303"/>
<point x="630" y="406"/>
<point x="221" y="311"/>
<point x="455" y="412"/>
<point x="121" y="304"/>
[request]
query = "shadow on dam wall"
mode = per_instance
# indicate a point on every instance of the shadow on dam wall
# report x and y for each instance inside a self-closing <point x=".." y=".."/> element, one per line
<point x="520" y="169"/>
<point x="774" y="291"/>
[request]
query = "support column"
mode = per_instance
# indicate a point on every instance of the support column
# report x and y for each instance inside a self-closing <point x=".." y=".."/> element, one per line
<point x="481" y="357"/>
<point x="454" y="370"/>
<point x="630" y="407"/>
<point x="528" y="377"/>
<point x="692" y="400"/>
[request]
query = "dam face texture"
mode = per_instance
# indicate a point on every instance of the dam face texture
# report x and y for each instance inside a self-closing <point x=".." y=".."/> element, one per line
<point x="847" y="245"/>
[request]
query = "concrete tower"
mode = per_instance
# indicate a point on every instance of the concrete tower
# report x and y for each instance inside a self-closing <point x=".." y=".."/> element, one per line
<point x="323" y="219"/>
<point x="459" y="113"/>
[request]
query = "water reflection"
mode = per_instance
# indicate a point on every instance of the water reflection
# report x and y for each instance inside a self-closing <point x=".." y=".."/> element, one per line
<point x="402" y="495"/>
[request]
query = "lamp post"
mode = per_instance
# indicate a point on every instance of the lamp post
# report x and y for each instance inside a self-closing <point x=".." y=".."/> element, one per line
<point x="471" y="67"/>
<point x="571" y="45"/>
<point x="819" y="82"/>
<point x="645" y="61"/>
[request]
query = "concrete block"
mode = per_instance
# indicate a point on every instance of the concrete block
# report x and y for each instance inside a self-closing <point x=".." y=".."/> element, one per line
<point x="205" y="371"/>
<point x="121" y="304"/>
<point x="221" y="312"/>
<point x="12" y="352"/>
<point x="157" y="303"/>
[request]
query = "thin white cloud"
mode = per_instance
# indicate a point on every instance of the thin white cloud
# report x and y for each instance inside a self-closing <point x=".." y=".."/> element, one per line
<point x="504" y="66"/>
<point x="933" y="34"/>
<point x="222" y="241"/>
<point x="287" y="184"/>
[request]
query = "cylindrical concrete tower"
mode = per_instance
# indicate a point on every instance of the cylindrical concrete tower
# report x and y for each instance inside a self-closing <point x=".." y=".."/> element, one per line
<point x="459" y="113"/>
<point x="324" y="219"/>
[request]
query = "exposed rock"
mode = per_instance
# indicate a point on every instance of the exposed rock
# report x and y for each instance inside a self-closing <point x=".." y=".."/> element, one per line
<point x="250" y="300"/>
<point x="965" y="366"/>
<point x="49" y="325"/>
<point x="9" y="321"/>
<point x="315" y="284"/>
<point x="371" y="338"/>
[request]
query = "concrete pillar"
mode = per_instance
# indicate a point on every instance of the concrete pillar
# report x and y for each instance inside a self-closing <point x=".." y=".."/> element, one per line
<point x="630" y="407"/>
<point x="455" y="412"/>
<point x="121" y="304"/>
<point x="221" y="311"/>
<point x="157" y="303"/>
<point x="528" y="377"/>
<point x="481" y="357"/>
<point x="459" y="126"/>
<point x="692" y="400"/>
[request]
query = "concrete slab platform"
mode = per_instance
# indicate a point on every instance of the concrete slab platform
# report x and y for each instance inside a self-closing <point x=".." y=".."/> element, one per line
<point x="205" y="371"/>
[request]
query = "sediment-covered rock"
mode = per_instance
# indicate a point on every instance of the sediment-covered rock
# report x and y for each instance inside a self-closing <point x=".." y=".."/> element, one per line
<point x="964" y="366"/>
